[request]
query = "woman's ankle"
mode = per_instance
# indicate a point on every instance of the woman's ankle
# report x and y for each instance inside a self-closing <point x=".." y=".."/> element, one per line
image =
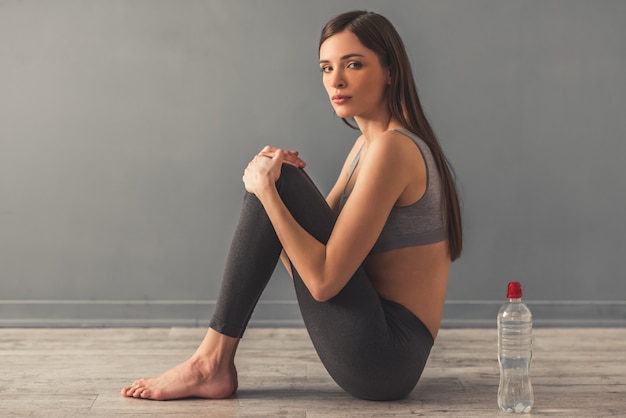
<point x="217" y="348"/>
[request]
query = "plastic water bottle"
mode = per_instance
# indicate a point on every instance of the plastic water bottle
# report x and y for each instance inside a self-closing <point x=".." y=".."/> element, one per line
<point x="515" y="393"/>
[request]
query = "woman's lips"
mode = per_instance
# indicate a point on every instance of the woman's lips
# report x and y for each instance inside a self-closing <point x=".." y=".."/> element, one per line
<point x="340" y="98"/>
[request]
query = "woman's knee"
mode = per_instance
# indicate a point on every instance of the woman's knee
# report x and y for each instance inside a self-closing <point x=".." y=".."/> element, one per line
<point x="305" y="202"/>
<point x="291" y="176"/>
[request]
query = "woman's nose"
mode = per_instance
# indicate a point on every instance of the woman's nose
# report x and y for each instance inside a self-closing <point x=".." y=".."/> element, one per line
<point x="338" y="80"/>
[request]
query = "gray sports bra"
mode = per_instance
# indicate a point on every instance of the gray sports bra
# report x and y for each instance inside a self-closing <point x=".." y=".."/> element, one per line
<point x="420" y="223"/>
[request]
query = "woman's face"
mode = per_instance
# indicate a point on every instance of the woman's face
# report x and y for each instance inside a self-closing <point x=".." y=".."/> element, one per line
<point x="353" y="77"/>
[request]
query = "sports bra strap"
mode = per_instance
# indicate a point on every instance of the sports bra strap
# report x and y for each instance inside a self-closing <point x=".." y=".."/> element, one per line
<point x="357" y="157"/>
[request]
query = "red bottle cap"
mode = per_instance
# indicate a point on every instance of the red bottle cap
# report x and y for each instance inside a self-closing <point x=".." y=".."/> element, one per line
<point x="514" y="290"/>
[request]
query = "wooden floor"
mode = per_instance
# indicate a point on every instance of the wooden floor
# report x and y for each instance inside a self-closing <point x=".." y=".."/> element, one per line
<point x="79" y="372"/>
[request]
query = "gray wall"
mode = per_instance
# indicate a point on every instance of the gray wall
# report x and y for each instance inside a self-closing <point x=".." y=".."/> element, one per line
<point x="125" y="127"/>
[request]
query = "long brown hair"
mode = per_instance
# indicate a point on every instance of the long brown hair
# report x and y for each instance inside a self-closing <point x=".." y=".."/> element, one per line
<point x="375" y="32"/>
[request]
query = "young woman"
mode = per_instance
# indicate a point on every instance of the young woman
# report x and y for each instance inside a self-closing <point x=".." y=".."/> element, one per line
<point x="370" y="263"/>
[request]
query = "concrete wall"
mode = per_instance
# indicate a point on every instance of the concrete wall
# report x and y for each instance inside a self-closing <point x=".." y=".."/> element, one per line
<point x="125" y="127"/>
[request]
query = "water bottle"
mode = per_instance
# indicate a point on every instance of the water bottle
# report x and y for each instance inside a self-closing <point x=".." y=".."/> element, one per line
<point x="515" y="393"/>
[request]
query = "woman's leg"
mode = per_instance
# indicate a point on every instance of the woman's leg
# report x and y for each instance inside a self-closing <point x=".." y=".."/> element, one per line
<point x="211" y="372"/>
<point x="251" y="260"/>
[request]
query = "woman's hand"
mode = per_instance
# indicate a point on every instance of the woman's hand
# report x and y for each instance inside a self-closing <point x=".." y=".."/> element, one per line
<point x="264" y="169"/>
<point x="289" y="157"/>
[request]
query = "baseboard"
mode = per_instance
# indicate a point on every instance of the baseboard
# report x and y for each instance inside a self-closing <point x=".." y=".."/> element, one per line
<point x="135" y="313"/>
<point x="546" y="313"/>
<point x="281" y="313"/>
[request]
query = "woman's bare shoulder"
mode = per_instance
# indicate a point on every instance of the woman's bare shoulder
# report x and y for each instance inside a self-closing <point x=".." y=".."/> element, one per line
<point x="395" y="147"/>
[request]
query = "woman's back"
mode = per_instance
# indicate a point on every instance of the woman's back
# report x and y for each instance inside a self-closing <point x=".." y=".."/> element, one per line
<point x="409" y="263"/>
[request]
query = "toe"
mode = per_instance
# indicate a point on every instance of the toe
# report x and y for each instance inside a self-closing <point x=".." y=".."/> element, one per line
<point x="135" y="391"/>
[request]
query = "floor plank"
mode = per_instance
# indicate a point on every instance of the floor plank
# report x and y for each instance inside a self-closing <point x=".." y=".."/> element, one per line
<point x="79" y="372"/>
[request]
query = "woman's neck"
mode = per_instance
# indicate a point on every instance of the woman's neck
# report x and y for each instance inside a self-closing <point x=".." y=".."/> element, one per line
<point x="372" y="127"/>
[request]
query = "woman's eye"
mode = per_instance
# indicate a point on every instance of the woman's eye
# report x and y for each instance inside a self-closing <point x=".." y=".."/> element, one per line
<point x="355" y="65"/>
<point x="325" y="69"/>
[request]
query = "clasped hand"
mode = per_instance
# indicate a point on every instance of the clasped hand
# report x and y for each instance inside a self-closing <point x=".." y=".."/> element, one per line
<point x="264" y="169"/>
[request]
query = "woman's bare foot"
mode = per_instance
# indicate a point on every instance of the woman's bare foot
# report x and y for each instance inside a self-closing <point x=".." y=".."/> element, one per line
<point x="209" y="373"/>
<point x="191" y="379"/>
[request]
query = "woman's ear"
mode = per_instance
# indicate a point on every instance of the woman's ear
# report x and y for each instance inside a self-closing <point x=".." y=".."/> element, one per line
<point x="389" y="76"/>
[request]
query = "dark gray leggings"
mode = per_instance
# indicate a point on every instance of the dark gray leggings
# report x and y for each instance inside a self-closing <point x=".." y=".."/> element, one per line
<point x="373" y="348"/>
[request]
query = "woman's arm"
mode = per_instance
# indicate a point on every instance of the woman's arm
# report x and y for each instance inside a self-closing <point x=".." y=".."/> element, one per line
<point x="334" y="196"/>
<point x="385" y="172"/>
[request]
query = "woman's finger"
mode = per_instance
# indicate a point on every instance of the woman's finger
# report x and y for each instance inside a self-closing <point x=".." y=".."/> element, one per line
<point x="287" y="156"/>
